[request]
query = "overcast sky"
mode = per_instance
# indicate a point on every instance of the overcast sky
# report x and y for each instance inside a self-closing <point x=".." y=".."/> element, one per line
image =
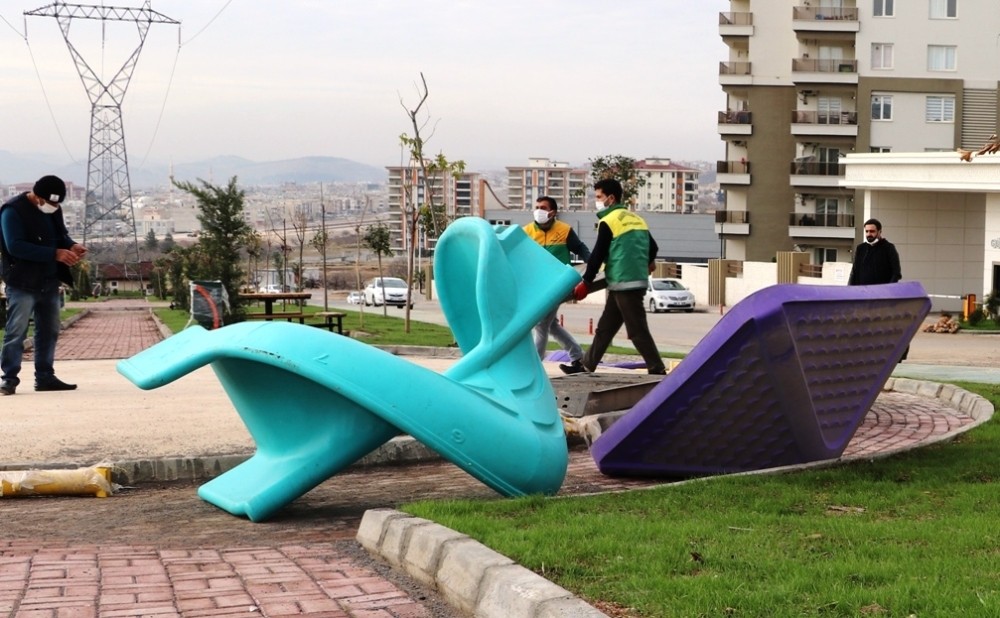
<point x="268" y="80"/>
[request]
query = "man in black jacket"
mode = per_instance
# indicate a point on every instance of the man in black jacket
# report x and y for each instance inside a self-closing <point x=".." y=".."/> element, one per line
<point x="875" y="260"/>
<point x="37" y="253"/>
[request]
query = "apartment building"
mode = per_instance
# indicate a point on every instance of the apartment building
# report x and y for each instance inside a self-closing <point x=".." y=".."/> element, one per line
<point x="407" y="192"/>
<point x="543" y="176"/>
<point x="811" y="81"/>
<point x="669" y="187"/>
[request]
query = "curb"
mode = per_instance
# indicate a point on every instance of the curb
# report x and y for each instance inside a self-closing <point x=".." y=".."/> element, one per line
<point x="470" y="576"/>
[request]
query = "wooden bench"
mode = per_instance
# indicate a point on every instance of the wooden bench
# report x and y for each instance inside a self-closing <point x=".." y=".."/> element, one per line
<point x="287" y="316"/>
<point x="331" y="320"/>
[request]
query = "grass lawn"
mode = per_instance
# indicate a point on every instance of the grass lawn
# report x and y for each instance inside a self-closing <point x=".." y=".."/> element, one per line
<point x="917" y="534"/>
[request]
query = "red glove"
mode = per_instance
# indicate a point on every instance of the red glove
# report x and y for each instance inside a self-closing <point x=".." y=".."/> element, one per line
<point x="580" y="291"/>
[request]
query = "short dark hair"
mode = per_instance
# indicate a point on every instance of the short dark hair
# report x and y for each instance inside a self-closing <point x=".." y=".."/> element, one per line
<point x="551" y="201"/>
<point x="876" y="223"/>
<point x="610" y="186"/>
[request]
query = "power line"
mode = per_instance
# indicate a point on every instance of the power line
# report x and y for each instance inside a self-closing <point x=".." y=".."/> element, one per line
<point x="205" y="27"/>
<point x="48" y="104"/>
<point x="163" y="107"/>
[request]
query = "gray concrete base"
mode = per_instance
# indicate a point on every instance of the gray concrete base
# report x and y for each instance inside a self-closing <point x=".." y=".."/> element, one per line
<point x="469" y="575"/>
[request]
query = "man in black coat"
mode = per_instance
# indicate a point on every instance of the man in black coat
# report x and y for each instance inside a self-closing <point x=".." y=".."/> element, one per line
<point x="875" y="260"/>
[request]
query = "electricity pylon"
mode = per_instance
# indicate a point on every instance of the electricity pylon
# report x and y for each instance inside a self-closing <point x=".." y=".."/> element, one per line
<point x="109" y="209"/>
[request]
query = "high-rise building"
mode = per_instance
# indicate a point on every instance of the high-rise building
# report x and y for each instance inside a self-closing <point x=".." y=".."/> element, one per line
<point x="542" y="176"/>
<point x="669" y="187"/>
<point x="809" y="82"/>
<point x="407" y="189"/>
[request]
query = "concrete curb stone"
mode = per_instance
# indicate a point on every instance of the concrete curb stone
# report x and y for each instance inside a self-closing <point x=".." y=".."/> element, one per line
<point x="471" y="576"/>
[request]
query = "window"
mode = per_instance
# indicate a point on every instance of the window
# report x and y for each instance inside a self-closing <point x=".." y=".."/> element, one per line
<point x="944" y="9"/>
<point x="939" y="109"/>
<point x="884" y="8"/>
<point x="881" y="55"/>
<point x="821" y="255"/>
<point x="941" y="57"/>
<point x="881" y="107"/>
<point x="879" y="149"/>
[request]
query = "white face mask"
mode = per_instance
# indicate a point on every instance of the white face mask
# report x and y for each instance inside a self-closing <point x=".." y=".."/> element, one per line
<point x="872" y="241"/>
<point x="48" y="208"/>
<point x="541" y="216"/>
<point x="599" y="205"/>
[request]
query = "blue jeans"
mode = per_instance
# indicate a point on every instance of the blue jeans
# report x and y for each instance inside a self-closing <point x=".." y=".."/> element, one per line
<point x="550" y="325"/>
<point x="22" y="305"/>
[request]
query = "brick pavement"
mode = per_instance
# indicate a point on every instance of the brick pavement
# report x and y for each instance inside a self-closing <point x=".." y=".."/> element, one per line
<point x="305" y="563"/>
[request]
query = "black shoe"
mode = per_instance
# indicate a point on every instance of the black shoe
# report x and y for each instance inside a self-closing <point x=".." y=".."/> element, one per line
<point x="574" y="367"/>
<point x="54" y="384"/>
<point x="7" y="387"/>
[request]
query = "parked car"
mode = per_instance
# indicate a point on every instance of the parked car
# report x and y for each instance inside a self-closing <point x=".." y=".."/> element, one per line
<point x="668" y="295"/>
<point x="355" y="298"/>
<point x="386" y="291"/>
<point x="272" y="288"/>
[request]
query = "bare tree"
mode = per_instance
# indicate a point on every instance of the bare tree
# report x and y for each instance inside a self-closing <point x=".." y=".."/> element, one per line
<point x="431" y="215"/>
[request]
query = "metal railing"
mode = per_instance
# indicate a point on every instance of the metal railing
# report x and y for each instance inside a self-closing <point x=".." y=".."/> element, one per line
<point x="734" y="68"/>
<point x="810" y="65"/>
<point x="817" y="168"/>
<point x="806" y="219"/>
<point x="732" y="167"/>
<point x="811" y="270"/>
<point x="822" y="13"/>
<point x="735" y="117"/>
<point x="735" y="19"/>
<point x="811" y="117"/>
<point x="732" y="216"/>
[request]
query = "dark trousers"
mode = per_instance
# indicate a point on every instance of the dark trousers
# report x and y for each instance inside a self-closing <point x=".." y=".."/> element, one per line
<point x="624" y="307"/>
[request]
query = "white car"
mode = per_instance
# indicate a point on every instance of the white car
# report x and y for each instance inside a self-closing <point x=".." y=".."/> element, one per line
<point x="668" y="295"/>
<point x="386" y="291"/>
<point x="355" y="298"/>
<point x="271" y="288"/>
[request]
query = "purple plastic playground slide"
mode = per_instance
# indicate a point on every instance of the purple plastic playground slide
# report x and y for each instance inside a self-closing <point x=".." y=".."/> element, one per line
<point x="786" y="377"/>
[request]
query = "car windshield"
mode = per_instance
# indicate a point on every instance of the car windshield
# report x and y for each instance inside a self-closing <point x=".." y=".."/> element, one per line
<point x="665" y="284"/>
<point x="392" y="283"/>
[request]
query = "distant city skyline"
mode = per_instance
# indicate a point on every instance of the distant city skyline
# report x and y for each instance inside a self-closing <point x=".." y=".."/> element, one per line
<point x="564" y="79"/>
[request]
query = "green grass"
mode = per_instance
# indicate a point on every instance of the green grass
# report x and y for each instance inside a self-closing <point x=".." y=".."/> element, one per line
<point x="381" y="330"/>
<point x="378" y="330"/>
<point x="917" y="534"/>
<point x="64" y="315"/>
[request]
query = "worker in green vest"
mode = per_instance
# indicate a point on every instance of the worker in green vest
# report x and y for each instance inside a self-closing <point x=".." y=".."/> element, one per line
<point x="560" y="240"/>
<point x="627" y="251"/>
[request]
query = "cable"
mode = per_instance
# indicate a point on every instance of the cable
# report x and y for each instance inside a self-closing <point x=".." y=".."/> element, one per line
<point x="48" y="104"/>
<point x="205" y="27"/>
<point x="166" y="95"/>
<point x="19" y="33"/>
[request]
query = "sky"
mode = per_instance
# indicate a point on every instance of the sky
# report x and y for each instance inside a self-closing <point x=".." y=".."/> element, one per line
<point x="570" y="80"/>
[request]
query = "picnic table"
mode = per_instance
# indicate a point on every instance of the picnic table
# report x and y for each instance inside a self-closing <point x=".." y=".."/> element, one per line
<point x="269" y="297"/>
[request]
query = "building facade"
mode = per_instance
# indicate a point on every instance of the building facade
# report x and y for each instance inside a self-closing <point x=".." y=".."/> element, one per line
<point x="669" y="187"/>
<point x="407" y="192"/>
<point x="809" y="83"/>
<point x="542" y="176"/>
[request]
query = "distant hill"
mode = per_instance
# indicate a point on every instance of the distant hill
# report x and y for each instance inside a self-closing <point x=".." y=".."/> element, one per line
<point x="24" y="168"/>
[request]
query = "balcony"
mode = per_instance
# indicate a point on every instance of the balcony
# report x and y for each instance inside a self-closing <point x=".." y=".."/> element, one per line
<point x="735" y="74"/>
<point x="825" y="19"/>
<point x="732" y="222"/>
<point x="824" y="123"/>
<point x="827" y="71"/>
<point x="735" y="24"/>
<point x="732" y="172"/>
<point x="828" y="226"/>
<point x="735" y="123"/>
<point x="807" y="172"/>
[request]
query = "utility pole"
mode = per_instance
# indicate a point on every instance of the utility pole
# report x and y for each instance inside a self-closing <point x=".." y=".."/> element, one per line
<point x="109" y="191"/>
<point x="322" y="214"/>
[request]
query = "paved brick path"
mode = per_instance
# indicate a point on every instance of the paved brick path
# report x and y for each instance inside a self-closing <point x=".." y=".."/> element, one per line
<point x="160" y="551"/>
